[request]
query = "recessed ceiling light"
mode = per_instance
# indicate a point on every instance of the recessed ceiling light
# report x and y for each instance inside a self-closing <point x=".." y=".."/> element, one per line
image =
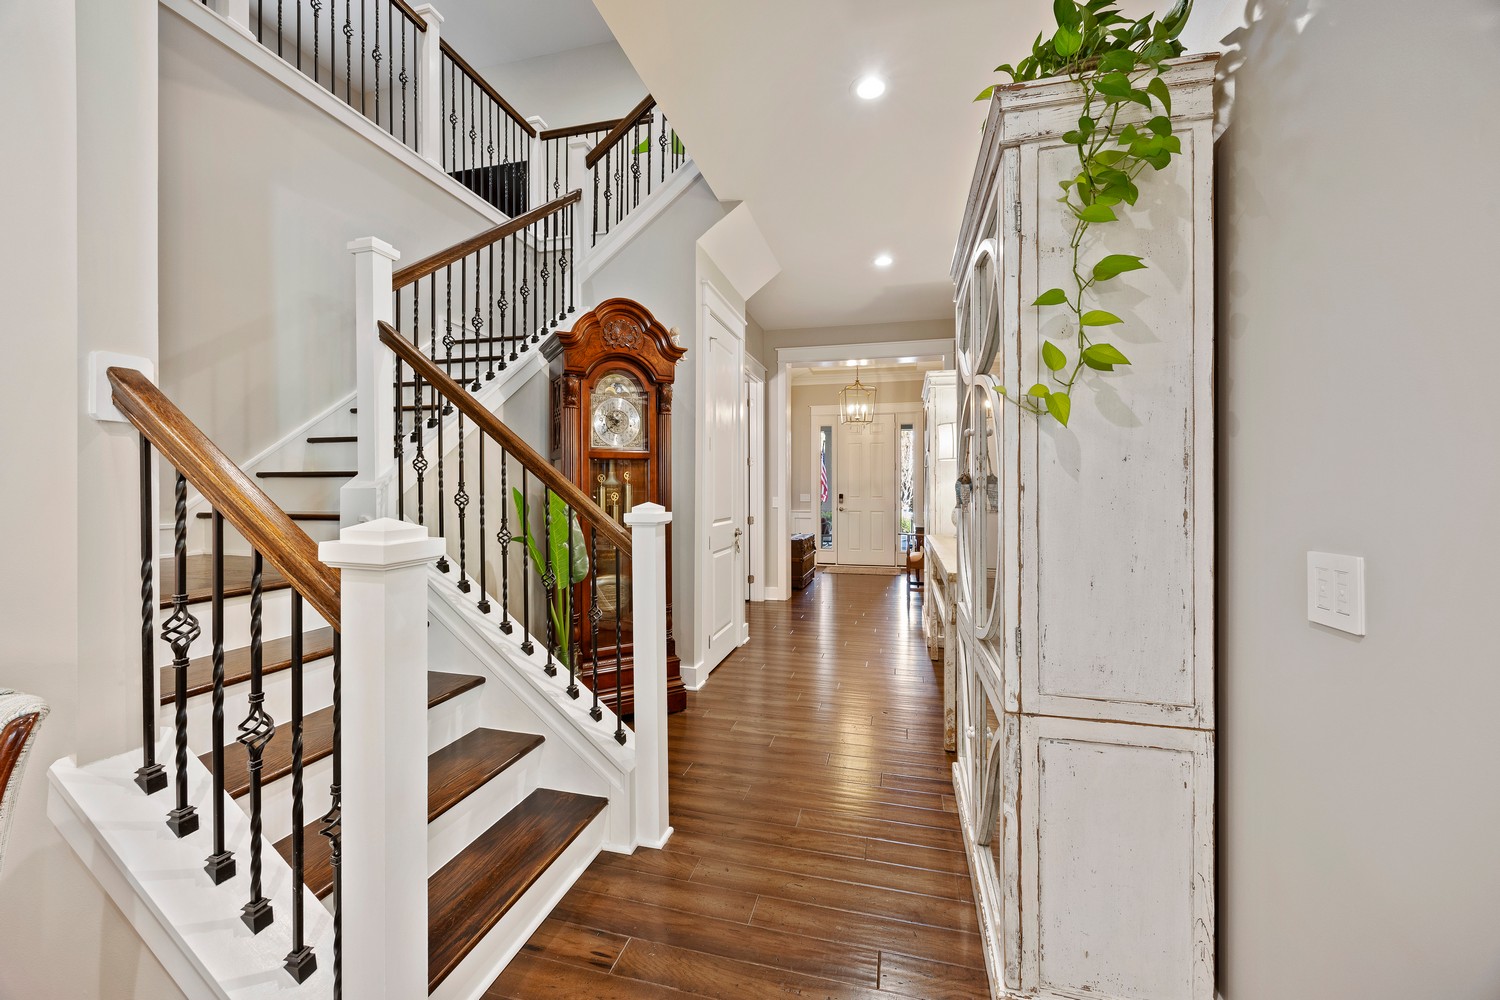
<point x="884" y="260"/>
<point x="869" y="87"/>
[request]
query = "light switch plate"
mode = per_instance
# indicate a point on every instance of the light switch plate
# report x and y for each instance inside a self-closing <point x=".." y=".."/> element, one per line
<point x="1336" y="591"/>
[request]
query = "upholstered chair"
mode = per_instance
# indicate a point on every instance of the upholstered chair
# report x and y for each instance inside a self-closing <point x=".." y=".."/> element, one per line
<point x="21" y="716"/>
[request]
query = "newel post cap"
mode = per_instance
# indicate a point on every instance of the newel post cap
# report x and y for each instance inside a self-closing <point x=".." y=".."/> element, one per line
<point x="370" y="244"/>
<point x="428" y="13"/>
<point x="381" y="544"/>
<point x="644" y="514"/>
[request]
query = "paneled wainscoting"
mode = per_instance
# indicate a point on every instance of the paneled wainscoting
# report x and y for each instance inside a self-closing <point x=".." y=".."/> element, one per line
<point x="817" y="851"/>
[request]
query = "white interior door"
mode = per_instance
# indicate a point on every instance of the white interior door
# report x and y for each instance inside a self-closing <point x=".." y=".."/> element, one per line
<point x="865" y="493"/>
<point x="724" y="584"/>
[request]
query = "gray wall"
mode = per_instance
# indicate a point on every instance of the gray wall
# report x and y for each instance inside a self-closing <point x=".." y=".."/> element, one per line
<point x="262" y="191"/>
<point x="1358" y="795"/>
<point x="660" y="270"/>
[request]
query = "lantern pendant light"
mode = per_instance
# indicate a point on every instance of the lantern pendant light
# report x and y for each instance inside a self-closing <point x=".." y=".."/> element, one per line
<point x="857" y="402"/>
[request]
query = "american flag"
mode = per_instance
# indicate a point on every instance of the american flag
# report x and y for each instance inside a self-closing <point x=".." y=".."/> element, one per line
<point x="823" y="475"/>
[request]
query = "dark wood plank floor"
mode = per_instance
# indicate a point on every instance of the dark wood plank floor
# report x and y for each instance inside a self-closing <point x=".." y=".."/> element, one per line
<point x="817" y="851"/>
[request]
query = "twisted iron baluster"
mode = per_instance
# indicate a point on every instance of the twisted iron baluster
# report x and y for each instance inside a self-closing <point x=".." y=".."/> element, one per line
<point x="405" y="79"/>
<point x="442" y="563"/>
<point x="484" y="591"/>
<point x="255" y="732"/>
<point x="419" y="461"/>
<point x="619" y="669"/>
<point x="566" y="296"/>
<point x="572" y="635"/>
<point x="525" y="316"/>
<point x="515" y="266"/>
<point x="317" y="7"/>
<point x="150" y="776"/>
<point x="180" y="631"/>
<point x="461" y="501"/>
<point x="595" y="615"/>
<point x="349" y="56"/>
<point x="526" y="645"/>
<point x="476" y="322"/>
<point x="594" y="229"/>
<point x="504" y="303"/>
<point x="544" y="300"/>
<point x="220" y="864"/>
<point x="490" y="307"/>
<point x="432" y="416"/>
<point x="376" y="55"/>
<point x="549" y="581"/>
<point x="504" y="538"/>
<point x="300" y="961"/>
<point x="332" y="828"/>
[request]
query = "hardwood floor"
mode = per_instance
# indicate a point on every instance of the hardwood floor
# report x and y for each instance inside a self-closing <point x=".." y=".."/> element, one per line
<point x="817" y="852"/>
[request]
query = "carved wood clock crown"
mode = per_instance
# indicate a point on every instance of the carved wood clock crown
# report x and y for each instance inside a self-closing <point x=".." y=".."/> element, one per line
<point x="612" y="436"/>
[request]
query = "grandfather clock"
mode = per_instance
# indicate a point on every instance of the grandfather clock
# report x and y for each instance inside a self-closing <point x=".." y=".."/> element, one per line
<point x="612" y="436"/>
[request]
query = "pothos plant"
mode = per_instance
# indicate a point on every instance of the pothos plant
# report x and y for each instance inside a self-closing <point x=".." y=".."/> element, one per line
<point x="566" y="554"/>
<point x="1117" y="64"/>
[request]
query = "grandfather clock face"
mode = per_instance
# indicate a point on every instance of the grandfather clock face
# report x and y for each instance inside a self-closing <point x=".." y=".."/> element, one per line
<point x="617" y="420"/>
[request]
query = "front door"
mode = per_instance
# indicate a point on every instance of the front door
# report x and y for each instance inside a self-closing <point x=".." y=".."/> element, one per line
<point x="865" y="493"/>
<point x="725" y="492"/>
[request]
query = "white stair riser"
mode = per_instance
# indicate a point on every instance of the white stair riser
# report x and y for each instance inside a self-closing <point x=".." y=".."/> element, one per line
<point x="276" y="799"/>
<point x="456" y="717"/>
<point x="317" y="693"/>
<point x="275" y="619"/>
<point x="317" y="493"/>
<point x="490" y="956"/>
<point x="235" y="544"/>
<point x="451" y="832"/>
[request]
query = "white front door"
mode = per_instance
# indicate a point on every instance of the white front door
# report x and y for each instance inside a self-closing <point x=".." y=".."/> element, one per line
<point x="865" y="498"/>
<point x="724" y="481"/>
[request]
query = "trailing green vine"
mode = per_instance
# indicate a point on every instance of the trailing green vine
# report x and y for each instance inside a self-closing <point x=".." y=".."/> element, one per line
<point x="1116" y="63"/>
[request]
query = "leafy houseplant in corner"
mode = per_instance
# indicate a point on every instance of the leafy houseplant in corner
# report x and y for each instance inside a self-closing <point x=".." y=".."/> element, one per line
<point x="565" y="559"/>
<point x="1117" y="64"/>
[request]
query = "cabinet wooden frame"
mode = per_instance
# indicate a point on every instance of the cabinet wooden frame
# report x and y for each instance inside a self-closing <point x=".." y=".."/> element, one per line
<point x="618" y="336"/>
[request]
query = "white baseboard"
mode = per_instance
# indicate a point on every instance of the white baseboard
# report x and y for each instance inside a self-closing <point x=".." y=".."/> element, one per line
<point x="690" y="678"/>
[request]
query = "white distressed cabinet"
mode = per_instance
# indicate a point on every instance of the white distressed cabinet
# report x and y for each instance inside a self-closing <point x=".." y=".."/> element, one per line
<point x="1085" y="599"/>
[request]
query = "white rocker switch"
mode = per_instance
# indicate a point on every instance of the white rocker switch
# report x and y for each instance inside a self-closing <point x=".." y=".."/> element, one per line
<point x="1336" y="591"/>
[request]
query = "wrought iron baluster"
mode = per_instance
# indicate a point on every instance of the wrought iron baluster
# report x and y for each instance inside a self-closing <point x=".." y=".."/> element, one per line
<point x="619" y="642"/>
<point x="608" y="195"/>
<point x="180" y="631"/>
<point x="525" y="291"/>
<point x="299" y="37"/>
<point x="364" y="86"/>
<point x="526" y="644"/>
<point x="549" y="582"/>
<point x="484" y="591"/>
<point x="432" y="420"/>
<point x="572" y="635"/>
<point x="332" y="828"/>
<point x="516" y="303"/>
<point x="489" y="304"/>
<point x="442" y="563"/>
<point x="543" y="231"/>
<point x="317" y="9"/>
<point x="375" y="56"/>
<point x="461" y="501"/>
<point x="404" y="78"/>
<point x="151" y="777"/>
<point x="300" y="961"/>
<point x="476" y="323"/>
<point x="504" y="538"/>
<point x="419" y="461"/>
<point x="348" y="55"/>
<point x="665" y="152"/>
<point x="595" y="615"/>
<point x="635" y="166"/>
<point x="473" y="132"/>
<point x="452" y="115"/>
<point x="565" y="295"/>
<point x="220" y="864"/>
<point x="401" y="438"/>
<point x="650" y="142"/>
<point x="448" y="336"/>
<point x="279" y="53"/>
<point x="255" y="732"/>
<point x="594" y="229"/>
<point x="504" y="303"/>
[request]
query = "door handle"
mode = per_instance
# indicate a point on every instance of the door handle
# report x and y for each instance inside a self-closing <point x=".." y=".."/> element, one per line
<point x="737" y="533"/>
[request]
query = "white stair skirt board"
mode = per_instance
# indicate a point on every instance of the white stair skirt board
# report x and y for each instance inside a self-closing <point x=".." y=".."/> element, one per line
<point x="579" y="754"/>
<point x="191" y="925"/>
<point x="495" y="950"/>
<point x="592" y="259"/>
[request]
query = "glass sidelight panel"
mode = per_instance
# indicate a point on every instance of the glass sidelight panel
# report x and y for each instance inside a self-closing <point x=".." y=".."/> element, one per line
<point x="825" y="487"/>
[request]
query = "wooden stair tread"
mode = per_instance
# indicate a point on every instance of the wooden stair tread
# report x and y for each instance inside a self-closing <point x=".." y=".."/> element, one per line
<point x="317" y="738"/>
<point x="276" y="655"/>
<point x="295" y="515"/>
<point x="467" y="897"/>
<point x="200" y="579"/>
<point x="453" y="773"/>
<point x="307" y="474"/>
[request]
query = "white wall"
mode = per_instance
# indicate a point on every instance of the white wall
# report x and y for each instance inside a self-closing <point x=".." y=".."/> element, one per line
<point x="260" y="193"/>
<point x="591" y="84"/>
<point x="61" y="600"/>
<point x="1358" y="797"/>
<point x="660" y="270"/>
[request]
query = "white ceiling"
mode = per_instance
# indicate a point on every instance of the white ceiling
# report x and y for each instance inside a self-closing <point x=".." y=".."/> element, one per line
<point x="493" y="32"/>
<point x="762" y="93"/>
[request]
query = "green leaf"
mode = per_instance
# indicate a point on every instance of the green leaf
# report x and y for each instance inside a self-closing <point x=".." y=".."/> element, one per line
<point x="1006" y="68"/>
<point x="1039" y="391"/>
<point x="1176" y="18"/>
<point x="1161" y="125"/>
<point x="1157" y="88"/>
<point x="1053" y="357"/>
<point x="1097" y="366"/>
<point x="1128" y="134"/>
<point x="1114" y="85"/>
<point x="1067" y="41"/>
<point x="1051" y="297"/>
<point x="1141" y="97"/>
<point x="1109" y="157"/>
<point x="1060" y="406"/>
<point x="1099" y="317"/>
<point x="985" y="94"/>
<point x="1103" y="354"/>
<point x="1086" y="125"/>
<point x="1116" y="264"/>
<point x="1117" y="61"/>
<point x="1001" y="390"/>
<point x="1066" y="12"/>
<point x="1097" y="213"/>
<point x="1073" y="137"/>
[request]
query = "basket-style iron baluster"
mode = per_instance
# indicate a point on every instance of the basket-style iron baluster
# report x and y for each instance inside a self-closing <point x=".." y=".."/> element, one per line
<point x="255" y="732"/>
<point x="180" y="631"/>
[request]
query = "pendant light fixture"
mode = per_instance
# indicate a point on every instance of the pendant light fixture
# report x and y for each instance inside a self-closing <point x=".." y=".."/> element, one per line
<point x="857" y="402"/>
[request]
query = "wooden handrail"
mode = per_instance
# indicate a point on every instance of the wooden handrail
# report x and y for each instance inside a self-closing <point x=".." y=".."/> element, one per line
<point x="457" y="252"/>
<point x="411" y="15"/>
<point x="231" y="492"/>
<point x="588" y="129"/>
<point x="484" y="85"/>
<point x="582" y="504"/>
<point x="619" y="131"/>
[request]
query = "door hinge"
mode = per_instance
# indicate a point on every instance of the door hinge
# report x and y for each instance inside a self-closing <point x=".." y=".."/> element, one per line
<point x="1018" y="642"/>
<point x="750" y="519"/>
<point x="752" y="578"/>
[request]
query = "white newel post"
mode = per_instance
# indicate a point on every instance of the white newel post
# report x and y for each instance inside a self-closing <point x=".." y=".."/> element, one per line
<point x="430" y="86"/>
<point x="363" y="498"/>
<point x="383" y="717"/>
<point x="236" y="12"/>
<point x="648" y="560"/>
<point x="536" y="166"/>
<point x="579" y="147"/>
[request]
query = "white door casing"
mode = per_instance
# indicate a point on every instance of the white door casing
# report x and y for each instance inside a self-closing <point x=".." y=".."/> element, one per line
<point x="755" y="480"/>
<point x="864" y="532"/>
<point x="721" y="472"/>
